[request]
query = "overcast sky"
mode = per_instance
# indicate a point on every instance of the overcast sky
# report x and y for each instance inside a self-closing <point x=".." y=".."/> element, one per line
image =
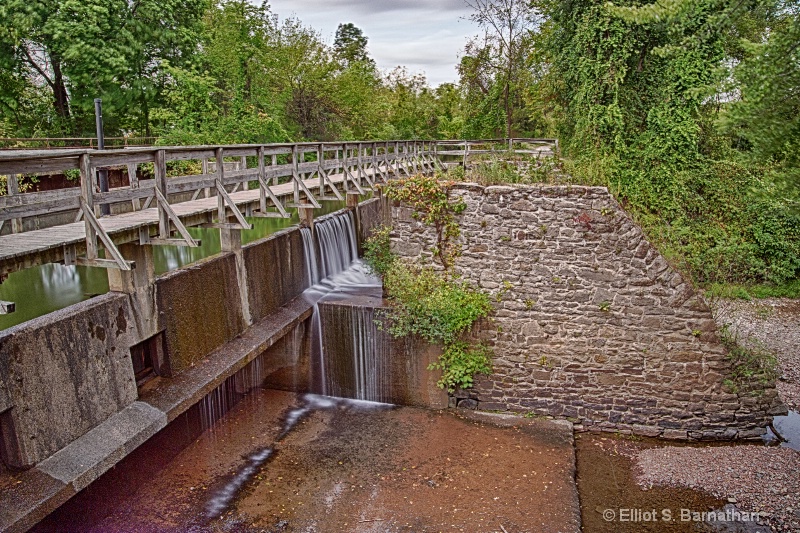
<point x="424" y="35"/>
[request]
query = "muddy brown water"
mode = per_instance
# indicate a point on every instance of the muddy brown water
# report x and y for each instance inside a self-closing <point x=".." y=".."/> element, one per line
<point x="282" y="462"/>
<point x="612" y="501"/>
<point x="343" y="467"/>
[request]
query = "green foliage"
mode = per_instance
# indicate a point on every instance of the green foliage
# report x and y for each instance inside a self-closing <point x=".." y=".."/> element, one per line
<point x="749" y="292"/>
<point x="460" y="362"/>
<point x="640" y="90"/>
<point x="378" y="250"/>
<point x="751" y="364"/>
<point x="431" y="203"/>
<point x="70" y="52"/>
<point x="427" y="304"/>
<point x="350" y="44"/>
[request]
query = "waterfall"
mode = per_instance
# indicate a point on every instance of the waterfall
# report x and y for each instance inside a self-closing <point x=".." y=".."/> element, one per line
<point x="359" y="363"/>
<point x="333" y="270"/>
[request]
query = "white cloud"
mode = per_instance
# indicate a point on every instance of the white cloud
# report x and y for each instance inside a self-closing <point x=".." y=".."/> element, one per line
<point x="424" y="36"/>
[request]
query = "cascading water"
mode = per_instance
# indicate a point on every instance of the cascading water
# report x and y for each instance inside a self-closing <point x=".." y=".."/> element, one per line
<point x="334" y="270"/>
<point x="359" y="364"/>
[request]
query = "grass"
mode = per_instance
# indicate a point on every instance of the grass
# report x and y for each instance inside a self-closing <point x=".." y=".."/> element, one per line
<point x="790" y="289"/>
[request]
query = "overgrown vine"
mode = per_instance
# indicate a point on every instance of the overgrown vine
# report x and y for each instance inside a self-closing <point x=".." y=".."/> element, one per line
<point x="426" y="302"/>
<point x="432" y="204"/>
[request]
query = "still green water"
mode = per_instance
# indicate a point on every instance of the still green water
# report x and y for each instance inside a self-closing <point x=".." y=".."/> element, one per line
<point x="46" y="288"/>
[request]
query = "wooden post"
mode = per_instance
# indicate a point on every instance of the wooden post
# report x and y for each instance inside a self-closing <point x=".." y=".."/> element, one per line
<point x="352" y="200"/>
<point x="262" y="178"/>
<point x="222" y="216"/>
<point x="295" y="175"/>
<point x="13" y="189"/>
<point x="274" y="163"/>
<point x="141" y="277"/>
<point x="243" y="166"/>
<point x="230" y="239"/>
<point x="320" y="163"/>
<point x="306" y="216"/>
<point x="160" y="167"/>
<point x="206" y="191"/>
<point x="87" y="193"/>
<point x="133" y="183"/>
<point x="359" y="164"/>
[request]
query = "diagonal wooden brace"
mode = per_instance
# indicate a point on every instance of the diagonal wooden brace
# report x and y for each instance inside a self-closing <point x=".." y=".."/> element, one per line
<point x="117" y="260"/>
<point x="349" y="175"/>
<point x="331" y="184"/>
<point x="363" y="172"/>
<point x="274" y="199"/>
<point x="173" y="217"/>
<point x="299" y="183"/>
<point x="233" y="207"/>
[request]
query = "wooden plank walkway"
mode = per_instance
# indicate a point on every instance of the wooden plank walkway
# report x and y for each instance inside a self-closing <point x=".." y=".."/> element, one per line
<point x="31" y="248"/>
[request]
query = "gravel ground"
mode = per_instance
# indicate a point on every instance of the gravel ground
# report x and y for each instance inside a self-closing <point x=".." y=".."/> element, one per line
<point x="755" y="478"/>
<point x="775" y="324"/>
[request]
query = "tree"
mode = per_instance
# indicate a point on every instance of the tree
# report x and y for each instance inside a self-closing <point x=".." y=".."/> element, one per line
<point x="503" y="50"/>
<point x="350" y="44"/>
<point x="78" y="50"/>
<point x="767" y="80"/>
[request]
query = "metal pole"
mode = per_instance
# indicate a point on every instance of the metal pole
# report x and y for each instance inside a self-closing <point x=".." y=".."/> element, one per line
<point x="102" y="173"/>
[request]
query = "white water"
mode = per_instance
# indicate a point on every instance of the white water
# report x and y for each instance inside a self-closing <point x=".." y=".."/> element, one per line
<point x="334" y="272"/>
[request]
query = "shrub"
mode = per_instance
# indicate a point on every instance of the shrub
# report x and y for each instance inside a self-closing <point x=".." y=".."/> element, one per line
<point x="378" y="251"/>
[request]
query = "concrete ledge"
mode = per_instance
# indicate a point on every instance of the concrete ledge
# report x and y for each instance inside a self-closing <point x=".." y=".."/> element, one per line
<point x="174" y="396"/>
<point x="33" y="494"/>
<point x="90" y="456"/>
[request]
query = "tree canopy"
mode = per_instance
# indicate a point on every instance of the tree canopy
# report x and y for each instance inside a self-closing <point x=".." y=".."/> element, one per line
<point x="688" y="110"/>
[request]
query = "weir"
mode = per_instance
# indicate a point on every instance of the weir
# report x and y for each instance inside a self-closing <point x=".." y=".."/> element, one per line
<point x="205" y="350"/>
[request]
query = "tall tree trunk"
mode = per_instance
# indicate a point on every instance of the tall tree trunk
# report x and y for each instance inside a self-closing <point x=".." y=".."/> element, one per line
<point x="60" y="96"/>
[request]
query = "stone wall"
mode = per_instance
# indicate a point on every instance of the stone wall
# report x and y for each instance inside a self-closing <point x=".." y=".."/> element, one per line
<point x="592" y="323"/>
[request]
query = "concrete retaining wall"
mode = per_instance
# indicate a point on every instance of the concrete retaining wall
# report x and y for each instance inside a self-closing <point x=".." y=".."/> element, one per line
<point x="592" y="322"/>
<point x="65" y="373"/>
<point x="397" y="368"/>
<point x="275" y="271"/>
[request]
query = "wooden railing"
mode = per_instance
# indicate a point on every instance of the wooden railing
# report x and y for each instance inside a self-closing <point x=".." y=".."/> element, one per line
<point x="46" y="143"/>
<point x="224" y="170"/>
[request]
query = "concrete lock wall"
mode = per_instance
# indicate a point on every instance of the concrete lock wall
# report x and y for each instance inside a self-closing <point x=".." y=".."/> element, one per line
<point x="592" y="323"/>
<point x="67" y="372"/>
<point x="63" y="374"/>
<point x="369" y="363"/>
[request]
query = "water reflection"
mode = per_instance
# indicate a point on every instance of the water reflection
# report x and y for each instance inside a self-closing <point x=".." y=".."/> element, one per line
<point x="40" y="290"/>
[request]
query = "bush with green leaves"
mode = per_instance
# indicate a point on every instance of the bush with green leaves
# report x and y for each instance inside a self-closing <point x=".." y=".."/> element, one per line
<point x="460" y="362"/>
<point x="427" y="304"/>
<point x="378" y="250"/>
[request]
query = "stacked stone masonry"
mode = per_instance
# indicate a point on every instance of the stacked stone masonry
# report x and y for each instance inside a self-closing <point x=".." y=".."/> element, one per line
<point x="592" y="323"/>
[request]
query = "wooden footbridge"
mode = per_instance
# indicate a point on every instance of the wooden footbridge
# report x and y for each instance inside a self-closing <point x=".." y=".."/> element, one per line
<point x="235" y="182"/>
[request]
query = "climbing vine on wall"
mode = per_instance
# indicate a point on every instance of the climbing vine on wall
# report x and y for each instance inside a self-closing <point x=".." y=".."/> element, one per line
<point x="426" y="302"/>
<point x="432" y="204"/>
